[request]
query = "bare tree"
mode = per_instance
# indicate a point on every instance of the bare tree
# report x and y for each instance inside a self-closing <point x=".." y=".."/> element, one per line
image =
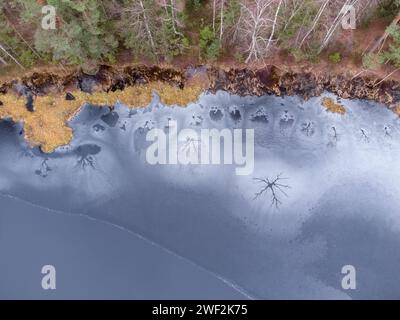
<point x="325" y="26"/>
<point x="256" y="27"/>
<point x="218" y="5"/>
<point x="20" y="36"/>
<point x="274" y="187"/>
<point x="170" y="11"/>
<point x="214" y="10"/>
<point x="293" y="8"/>
<point x="11" y="56"/>
<point x="379" y="44"/>
<point x="3" y="61"/>
<point x="336" y="22"/>
<point x="146" y="24"/>
<point x="140" y="24"/>
<point x="274" y="24"/>
<point x="221" y="24"/>
<point x="315" y="22"/>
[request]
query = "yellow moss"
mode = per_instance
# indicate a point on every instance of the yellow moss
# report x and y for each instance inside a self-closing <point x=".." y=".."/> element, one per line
<point x="331" y="106"/>
<point x="47" y="126"/>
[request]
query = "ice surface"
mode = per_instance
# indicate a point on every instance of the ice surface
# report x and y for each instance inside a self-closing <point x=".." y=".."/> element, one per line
<point x="342" y="205"/>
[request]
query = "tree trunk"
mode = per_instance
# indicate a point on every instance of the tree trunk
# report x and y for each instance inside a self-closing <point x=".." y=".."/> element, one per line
<point x="147" y="26"/>
<point x="12" y="58"/>
<point x="213" y="19"/>
<point x="221" y="29"/>
<point x="380" y="42"/>
<point x="3" y="61"/>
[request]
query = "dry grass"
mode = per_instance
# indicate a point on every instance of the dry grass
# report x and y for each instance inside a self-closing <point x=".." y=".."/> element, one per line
<point x="47" y="126"/>
<point x="331" y="106"/>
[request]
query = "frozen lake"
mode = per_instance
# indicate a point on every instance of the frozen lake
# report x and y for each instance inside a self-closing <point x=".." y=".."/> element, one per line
<point x="341" y="206"/>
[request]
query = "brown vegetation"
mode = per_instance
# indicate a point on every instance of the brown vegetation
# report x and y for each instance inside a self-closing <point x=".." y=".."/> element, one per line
<point x="47" y="126"/>
<point x="331" y="106"/>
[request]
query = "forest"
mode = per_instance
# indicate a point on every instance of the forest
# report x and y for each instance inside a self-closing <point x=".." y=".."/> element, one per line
<point x="90" y="32"/>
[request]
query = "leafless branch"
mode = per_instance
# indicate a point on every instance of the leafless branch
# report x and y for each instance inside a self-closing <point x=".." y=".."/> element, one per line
<point x="274" y="187"/>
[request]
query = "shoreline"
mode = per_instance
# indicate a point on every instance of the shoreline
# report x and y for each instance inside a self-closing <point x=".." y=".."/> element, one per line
<point x="256" y="81"/>
<point x="45" y="102"/>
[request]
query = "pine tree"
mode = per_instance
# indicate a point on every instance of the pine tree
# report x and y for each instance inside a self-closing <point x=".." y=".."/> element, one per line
<point x="83" y="33"/>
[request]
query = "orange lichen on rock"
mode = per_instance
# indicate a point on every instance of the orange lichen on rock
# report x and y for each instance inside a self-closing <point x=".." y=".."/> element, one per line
<point x="331" y="106"/>
<point x="47" y="126"/>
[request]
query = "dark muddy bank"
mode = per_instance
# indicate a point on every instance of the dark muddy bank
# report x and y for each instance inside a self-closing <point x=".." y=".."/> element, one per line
<point x="244" y="82"/>
<point x="271" y="80"/>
